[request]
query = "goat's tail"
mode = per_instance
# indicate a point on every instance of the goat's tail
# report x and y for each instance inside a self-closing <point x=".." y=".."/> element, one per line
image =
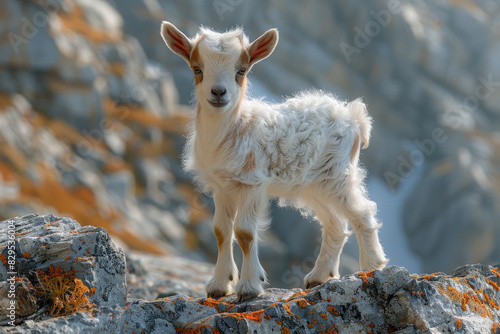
<point x="358" y="109"/>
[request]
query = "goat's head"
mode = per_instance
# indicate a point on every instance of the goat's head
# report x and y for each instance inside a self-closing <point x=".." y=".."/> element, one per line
<point x="220" y="62"/>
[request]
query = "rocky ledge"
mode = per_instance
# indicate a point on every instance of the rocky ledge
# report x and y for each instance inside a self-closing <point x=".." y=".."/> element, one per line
<point x="73" y="279"/>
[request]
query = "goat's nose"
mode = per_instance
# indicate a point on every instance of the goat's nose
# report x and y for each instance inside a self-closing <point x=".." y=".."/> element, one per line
<point x="219" y="91"/>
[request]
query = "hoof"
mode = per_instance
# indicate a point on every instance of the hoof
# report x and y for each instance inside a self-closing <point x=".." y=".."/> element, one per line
<point x="216" y="294"/>
<point x="248" y="290"/>
<point x="247" y="296"/>
<point x="310" y="285"/>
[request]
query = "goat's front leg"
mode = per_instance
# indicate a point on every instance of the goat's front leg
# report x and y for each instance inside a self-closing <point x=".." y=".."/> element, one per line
<point x="252" y="212"/>
<point x="226" y="271"/>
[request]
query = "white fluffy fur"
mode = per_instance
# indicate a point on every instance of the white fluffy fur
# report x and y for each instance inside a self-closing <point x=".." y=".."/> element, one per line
<point x="304" y="150"/>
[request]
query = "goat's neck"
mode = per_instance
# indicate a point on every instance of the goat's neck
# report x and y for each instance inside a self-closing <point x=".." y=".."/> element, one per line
<point x="211" y="129"/>
<point x="210" y="126"/>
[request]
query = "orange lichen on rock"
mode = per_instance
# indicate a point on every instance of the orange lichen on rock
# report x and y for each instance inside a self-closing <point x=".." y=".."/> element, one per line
<point x="302" y="303"/>
<point x="285" y="330"/>
<point x="26" y="255"/>
<point x="371" y="326"/>
<point x="57" y="221"/>
<point x="65" y="293"/>
<point x="4" y="260"/>
<point x="75" y="21"/>
<point x="364" y="275"/>
<point x="196" y="330"/>
<point x="80" y="203"/>
<point x="287" y="308"/>
<point x="493" y="284"/>
<point x="332" y="330"/>
<point x="5" y="101"/>
<point x="467" y="299"/>
<point x="491" y="303"/>
<point x="333" y="311"/>
<point x="495" y="271"/>
<point x="459" y="324"/>
<point x="253" y="316"/>
<point x="118" y="68"/>
<point x="324" y="316"/>
<point x="209" y="302"/>
<point x="7" y="173"/>
<point x="296" y="295"/>
<point x="495" y="326"/>
<point x="145" y="117"/>
<point x="428" y="277"/>
<point x="113" y="165"/>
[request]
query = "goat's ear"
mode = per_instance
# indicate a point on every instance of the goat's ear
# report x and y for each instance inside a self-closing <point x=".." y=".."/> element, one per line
<point x="176" y="40"/>
<point x="263" y="46"/>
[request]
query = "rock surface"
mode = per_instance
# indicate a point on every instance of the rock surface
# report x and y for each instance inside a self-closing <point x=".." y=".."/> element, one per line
<point x="34" y="243"/>
<point x="391" y="300"/>
<point x="89" y="109"/>
<point x="151" y="277"/>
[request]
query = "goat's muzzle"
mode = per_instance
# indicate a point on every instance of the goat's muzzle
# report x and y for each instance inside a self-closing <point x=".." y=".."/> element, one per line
<point x="218" y="104"/>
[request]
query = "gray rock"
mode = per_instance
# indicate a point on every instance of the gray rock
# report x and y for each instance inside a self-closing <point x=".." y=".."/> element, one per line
<point x="120" y="184"/>
<point x="390" y="300"/>
<point x="414" y="75"/>
<point x="75" y="105"/>
<point x="41" y="242"/>
<point x="377" y="301"/>
<point x="102" y="16"/>
<point x="151" y="277"/>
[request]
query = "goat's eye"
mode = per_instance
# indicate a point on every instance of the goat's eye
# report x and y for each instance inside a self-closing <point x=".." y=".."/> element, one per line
<point x="196" y="70"/>
<point x="242" y="71"/>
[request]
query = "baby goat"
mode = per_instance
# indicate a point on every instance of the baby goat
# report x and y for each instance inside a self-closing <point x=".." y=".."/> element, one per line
<point x="304" y="150"/>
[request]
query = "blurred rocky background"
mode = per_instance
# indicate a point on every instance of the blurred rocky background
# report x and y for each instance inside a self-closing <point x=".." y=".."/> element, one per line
<point x="94" y="108"/>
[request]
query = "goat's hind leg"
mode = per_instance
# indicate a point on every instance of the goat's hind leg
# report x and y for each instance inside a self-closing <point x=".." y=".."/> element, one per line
<point x="335" y="234"/>
<point x="226" y="271"/>
<point x="361" y="214"/>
